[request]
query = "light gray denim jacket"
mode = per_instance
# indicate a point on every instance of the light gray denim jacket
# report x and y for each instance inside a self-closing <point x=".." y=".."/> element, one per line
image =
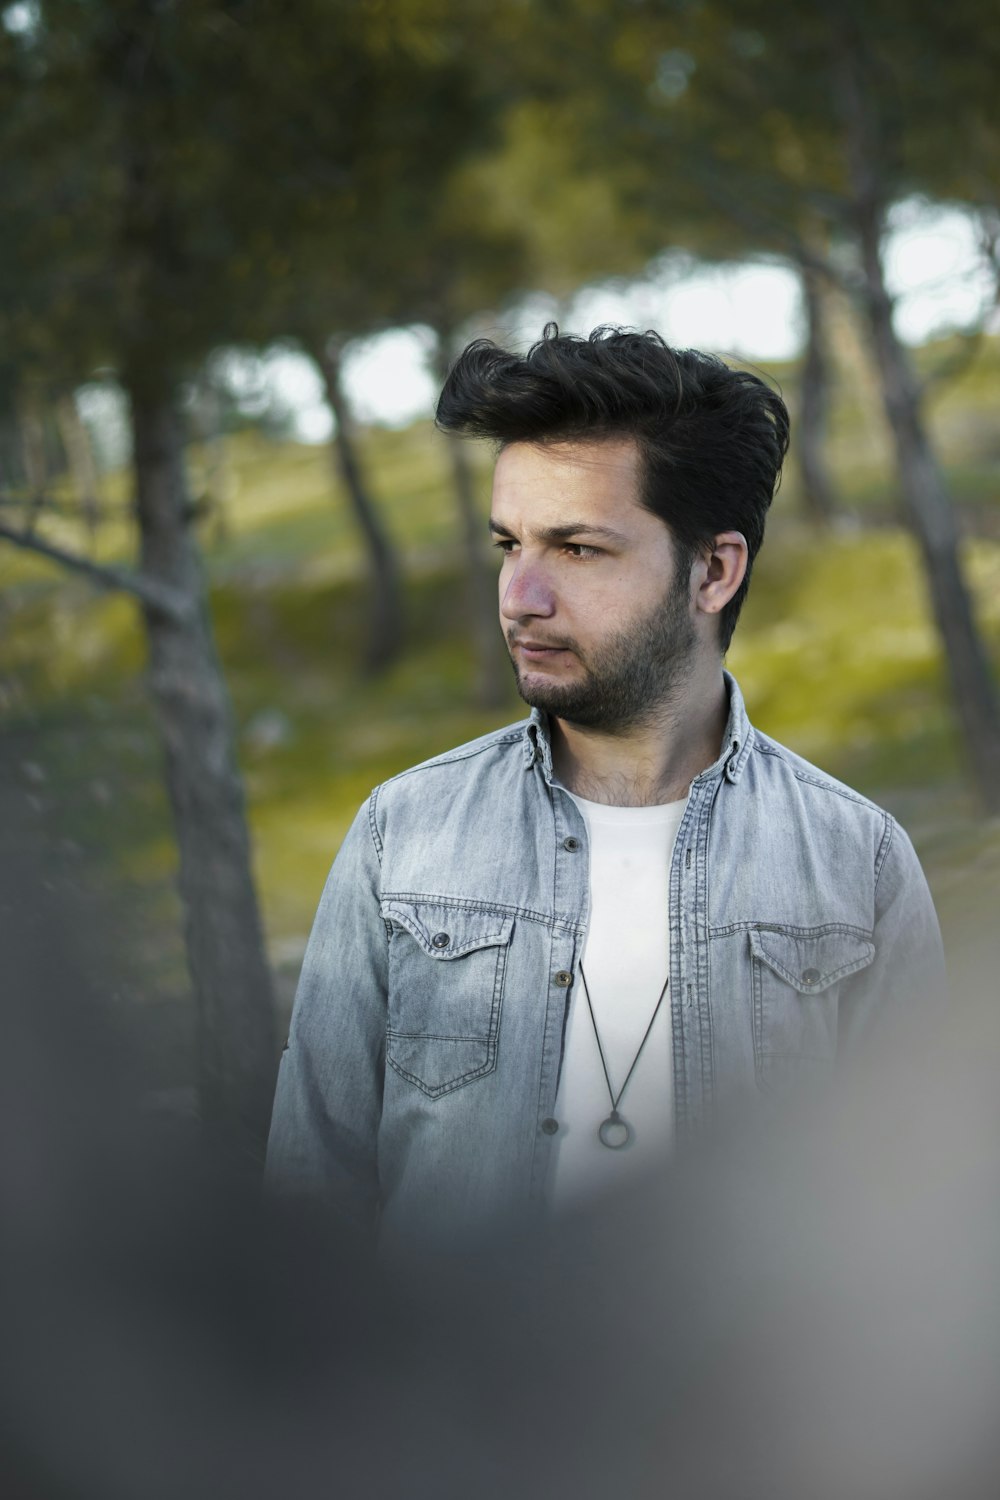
<point x="419" y="1082"/>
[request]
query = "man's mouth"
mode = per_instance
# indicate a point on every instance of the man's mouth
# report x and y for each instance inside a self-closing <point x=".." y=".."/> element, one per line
<point x="537" y="650"/>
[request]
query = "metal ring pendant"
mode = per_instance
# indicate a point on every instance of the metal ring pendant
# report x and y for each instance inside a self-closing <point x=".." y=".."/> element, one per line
<point x="613" y="1132"/>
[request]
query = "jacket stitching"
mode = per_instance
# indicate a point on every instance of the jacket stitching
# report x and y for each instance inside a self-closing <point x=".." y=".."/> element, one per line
<point x="821" y="784"/>
<point x="460" y="903"/>
<point x="805" y="932"/>
<point x="435" y="1091"/>
<point x="453" y="757"/>
<point x="373" y="826"/>
<point x="827" y="979"/>
<point x="883" y="852"/>
<point x="434" y="1036"/>
<point x="777" y="967"/>
<point x="456" y="950"/>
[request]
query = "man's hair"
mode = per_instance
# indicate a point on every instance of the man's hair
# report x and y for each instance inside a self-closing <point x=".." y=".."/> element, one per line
<point x="711" y="439"/>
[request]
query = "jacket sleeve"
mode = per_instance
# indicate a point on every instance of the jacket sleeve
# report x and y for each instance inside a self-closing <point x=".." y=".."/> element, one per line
<point x="905" y="982"/>
<point x="328" y="1103"/>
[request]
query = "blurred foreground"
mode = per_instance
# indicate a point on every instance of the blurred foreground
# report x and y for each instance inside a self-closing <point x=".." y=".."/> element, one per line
<point x="808" y="1310"/>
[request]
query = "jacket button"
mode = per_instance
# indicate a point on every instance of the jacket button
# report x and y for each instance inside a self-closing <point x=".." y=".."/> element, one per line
<point x="572" y="844"/>
<point x="440" y="940"/>
<point x="810" y="976"/>
<point x="564" y="979"/>
<point x="550" y="1126"/>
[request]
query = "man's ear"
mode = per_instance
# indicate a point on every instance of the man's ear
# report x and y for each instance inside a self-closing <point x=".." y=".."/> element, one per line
<point x="719" y="571"/>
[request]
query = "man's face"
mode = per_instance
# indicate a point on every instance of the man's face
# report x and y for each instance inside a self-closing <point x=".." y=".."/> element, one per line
<point x="599" y="627"/>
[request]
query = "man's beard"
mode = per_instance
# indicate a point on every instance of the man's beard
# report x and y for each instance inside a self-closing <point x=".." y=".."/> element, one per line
<point x="629" y="679"/>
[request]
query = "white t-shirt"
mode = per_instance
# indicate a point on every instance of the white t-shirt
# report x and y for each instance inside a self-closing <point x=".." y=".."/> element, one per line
<point x="626" y="960"/>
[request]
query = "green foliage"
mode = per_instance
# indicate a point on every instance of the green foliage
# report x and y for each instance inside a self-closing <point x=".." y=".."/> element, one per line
<point x="724" y="128"/>
<point x="178" y="175"/>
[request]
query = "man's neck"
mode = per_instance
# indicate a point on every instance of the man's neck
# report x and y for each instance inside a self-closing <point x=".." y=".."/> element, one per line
<point x="652" y="762"/>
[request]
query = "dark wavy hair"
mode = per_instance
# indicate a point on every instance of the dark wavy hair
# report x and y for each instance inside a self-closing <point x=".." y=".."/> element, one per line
<point x="711" y="439"/>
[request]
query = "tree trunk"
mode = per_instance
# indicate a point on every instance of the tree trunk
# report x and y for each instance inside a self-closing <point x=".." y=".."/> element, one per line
<point x="225" y="947"/>
<point x="933" y="520"/>
<point x="490" y="674"/>
<point x="33" y="457"/>
<point x="207" y="415"/>
<point x="817" y="487"/>
<point x="80" y="458"/>
<point x="925" y="496"/>
<point x="385" y="631"/>
<point x="490" y="671"/>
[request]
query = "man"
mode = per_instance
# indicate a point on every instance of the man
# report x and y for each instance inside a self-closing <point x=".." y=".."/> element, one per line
<point x="542" y="956"/>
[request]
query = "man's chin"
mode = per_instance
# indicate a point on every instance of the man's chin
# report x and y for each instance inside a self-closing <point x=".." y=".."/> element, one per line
<point x="561" y="701"/>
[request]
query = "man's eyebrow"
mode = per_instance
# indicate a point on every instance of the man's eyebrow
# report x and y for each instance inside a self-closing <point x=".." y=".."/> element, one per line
<point x="563" y="533"/>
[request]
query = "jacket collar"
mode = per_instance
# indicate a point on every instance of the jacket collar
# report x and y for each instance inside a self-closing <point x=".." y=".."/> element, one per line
<point x="736" y="742"/>
<point x="537" y="744"/>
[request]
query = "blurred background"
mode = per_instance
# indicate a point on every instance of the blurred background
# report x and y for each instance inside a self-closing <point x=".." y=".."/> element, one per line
<point x="243" y="579"/>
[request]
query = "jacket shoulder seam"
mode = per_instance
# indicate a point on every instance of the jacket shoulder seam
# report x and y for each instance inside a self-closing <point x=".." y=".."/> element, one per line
<point x="449" y="757"/>
<point x="883" y="851"/>
<point x="821" y="782"/>
<point x="373" y="825"/>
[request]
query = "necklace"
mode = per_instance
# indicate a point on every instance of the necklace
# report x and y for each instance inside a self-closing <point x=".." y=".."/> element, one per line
<point x="614" y="1132"/>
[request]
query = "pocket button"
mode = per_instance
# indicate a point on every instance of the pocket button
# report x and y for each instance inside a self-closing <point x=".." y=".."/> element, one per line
<point x="440" y="940"/>
<point x="810" y="976"/>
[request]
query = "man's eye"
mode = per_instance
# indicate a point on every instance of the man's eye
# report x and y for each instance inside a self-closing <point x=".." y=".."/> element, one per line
<point x="579" y="549"/>
<point x="505" y="544"/>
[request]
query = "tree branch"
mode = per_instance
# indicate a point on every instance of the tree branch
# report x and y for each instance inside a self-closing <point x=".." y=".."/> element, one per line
<point x="770" y="224"/>
<point x="755" y="220"/>
<point x="154" y="595"/>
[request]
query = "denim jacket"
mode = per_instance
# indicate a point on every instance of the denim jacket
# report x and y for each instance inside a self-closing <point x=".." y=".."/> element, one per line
<point x="420" y="1078"/>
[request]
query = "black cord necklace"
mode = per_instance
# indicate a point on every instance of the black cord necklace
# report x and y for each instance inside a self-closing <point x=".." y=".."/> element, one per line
<point x="614" y="1132"/>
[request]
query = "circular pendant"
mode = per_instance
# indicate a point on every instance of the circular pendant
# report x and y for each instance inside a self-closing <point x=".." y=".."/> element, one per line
<point x="614" y="1133"/>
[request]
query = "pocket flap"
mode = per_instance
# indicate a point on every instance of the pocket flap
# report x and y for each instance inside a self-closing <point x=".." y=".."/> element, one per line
<point x="811" y="961"/>
<point x="449" y="931"/>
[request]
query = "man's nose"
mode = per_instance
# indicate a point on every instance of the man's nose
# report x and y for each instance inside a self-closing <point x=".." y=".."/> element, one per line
<point x="526" y="591"/>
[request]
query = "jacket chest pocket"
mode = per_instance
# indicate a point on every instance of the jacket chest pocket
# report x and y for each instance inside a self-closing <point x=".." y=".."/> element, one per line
<point x="447" y="966"/>
<point x="797" y="973"/>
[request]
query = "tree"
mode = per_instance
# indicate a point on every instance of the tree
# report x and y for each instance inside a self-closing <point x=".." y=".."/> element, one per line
<point x="804" y="135"/>
<point x="462" y="266"/>
<point x="385" y="630"/>
<point x="168" y="165"/>
<point x="814" y="397"/>
<point x="588" y="193"/>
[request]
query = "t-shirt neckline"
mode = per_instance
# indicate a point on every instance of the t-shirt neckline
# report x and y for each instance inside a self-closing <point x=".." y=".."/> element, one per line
<point x="608" y="812"/>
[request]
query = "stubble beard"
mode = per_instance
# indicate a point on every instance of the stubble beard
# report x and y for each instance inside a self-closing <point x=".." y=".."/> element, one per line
<point x="630" y="679"/>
